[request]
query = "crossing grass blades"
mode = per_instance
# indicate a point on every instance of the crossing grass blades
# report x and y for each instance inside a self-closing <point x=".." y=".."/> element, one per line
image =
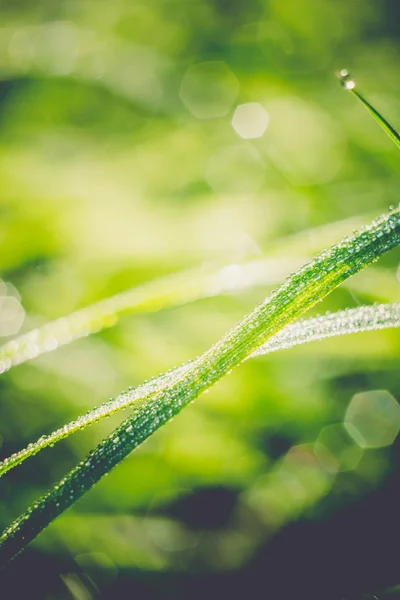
<point x="273" y="325"/>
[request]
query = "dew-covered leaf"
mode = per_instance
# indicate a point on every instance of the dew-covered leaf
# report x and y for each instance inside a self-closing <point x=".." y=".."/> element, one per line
<point x="299" y="292"/>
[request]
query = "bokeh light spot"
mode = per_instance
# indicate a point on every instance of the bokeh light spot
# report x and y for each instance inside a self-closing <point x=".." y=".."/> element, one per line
<point x="336" y="449"/>
<point x="11" y="312"/>
<point x="373" y="419"/>
<point x="250" y="120"/>
<point x="209" y="89"/>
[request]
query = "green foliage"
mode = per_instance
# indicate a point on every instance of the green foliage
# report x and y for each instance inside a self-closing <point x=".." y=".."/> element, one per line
<point x="357" y="320"/>
<point x="300" y="291"/>
<point x="127" y="157"/>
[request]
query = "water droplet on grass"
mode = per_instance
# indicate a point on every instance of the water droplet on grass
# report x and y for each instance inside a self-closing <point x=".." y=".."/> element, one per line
<point x="346" y="80"/>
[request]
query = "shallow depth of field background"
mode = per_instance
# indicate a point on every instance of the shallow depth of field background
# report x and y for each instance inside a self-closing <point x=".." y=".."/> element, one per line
<point x="141" y="138"/>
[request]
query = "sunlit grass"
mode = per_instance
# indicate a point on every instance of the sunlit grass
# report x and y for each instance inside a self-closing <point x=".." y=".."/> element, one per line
<point x="268" y="328"/>
<point x="174" y="290"/>
<point x="358" y="320"/>
<point x="299" y="292"/>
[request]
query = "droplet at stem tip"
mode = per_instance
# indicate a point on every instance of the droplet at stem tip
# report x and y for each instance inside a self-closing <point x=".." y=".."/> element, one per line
<point x="346" y="80"/>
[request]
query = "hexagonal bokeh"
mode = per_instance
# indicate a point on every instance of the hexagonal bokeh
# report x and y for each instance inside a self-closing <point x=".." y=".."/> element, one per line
<point x="209" y="89"/>
<point x="373" y="419"/>
<point x="336" y="449"/>
<point x="250" y="120"/>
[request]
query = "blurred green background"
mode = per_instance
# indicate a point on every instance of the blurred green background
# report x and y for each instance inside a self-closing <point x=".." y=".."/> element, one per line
<point x="141" y="138"/>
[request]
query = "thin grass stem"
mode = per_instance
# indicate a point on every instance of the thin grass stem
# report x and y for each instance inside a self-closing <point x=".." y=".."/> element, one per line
<point x="349" y="84"/>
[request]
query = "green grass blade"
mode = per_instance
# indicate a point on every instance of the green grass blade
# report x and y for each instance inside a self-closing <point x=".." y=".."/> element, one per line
<point x="124" y="400"/>
<point x="343" y="322"/>
<point x="172" y="290"/>
<point x="298" y="293"/>
<point x="356" y="320"/>
<point x="349" y="84"/>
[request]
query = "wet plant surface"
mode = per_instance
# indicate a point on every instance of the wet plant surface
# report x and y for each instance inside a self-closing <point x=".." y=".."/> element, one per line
<point x="156" y="188"/>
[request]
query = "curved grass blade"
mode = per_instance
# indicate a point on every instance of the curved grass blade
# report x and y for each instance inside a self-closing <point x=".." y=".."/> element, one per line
<point x="298" y="293"/>
<point x="356" y="320"/>
<point x="343" y="322"/>
<point x="349" y="84"/>
<point x="172" y="290"/>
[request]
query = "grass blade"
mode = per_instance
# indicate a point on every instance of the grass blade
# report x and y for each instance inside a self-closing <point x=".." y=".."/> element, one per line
<point x="172" y="290"/>
<point x="343" y="322"/>
<point x="356" y="320"/>
<point x="349" y="84"/>
<point x="124" y="400"/>
<point x="298" y="293"/>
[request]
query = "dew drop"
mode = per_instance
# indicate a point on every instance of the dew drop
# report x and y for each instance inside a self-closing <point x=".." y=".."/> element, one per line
<point x="346" y="80"/>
